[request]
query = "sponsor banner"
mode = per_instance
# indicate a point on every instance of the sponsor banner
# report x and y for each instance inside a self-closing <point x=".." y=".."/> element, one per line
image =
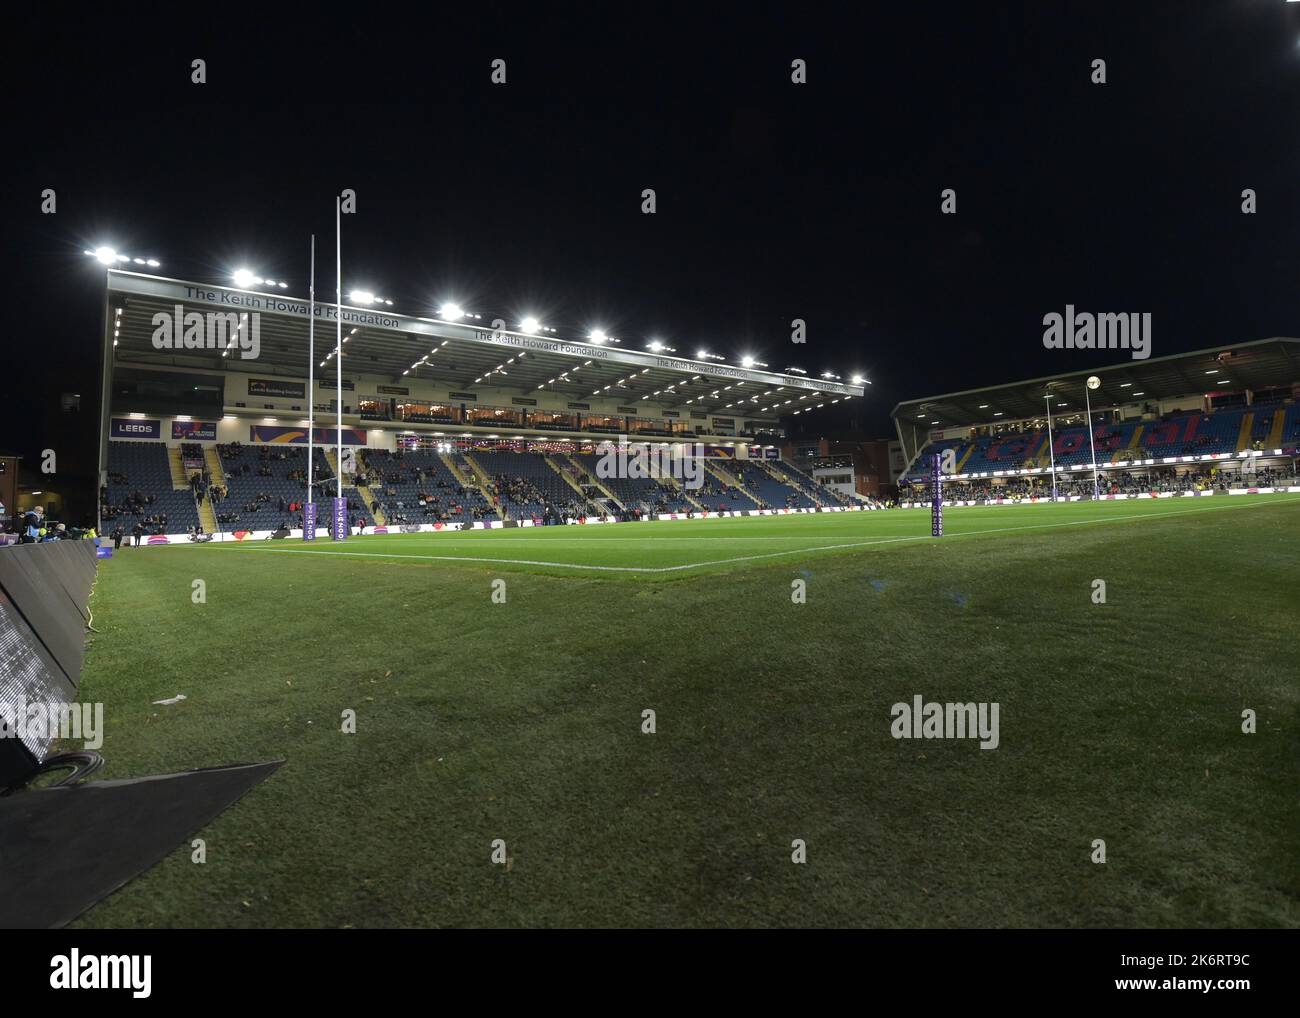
<point x="309" y="521"/>
<point x="278" y="435"/>
<point x="125" y="427"/>
<point x="277" y="387"/>
<point x="463" y="396"/>
<point x="195" y="431"/>
<point x="670" y="413"/>
<point x="520" y="401"/>
<point x="579" y="406"/>
<point x="720" y="452"/>
<point x="325" y="383"/>
<point x="393" y="390"/>
<point x="339" y="518"/>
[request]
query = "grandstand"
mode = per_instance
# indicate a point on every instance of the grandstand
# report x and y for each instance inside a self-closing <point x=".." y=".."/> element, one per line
<point x="1152" y="417"/>
<point x="142" y="489"/>
<point x="442" y="422"/>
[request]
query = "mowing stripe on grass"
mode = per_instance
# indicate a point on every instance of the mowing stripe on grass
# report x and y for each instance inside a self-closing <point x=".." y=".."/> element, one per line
<point x="752" y="558"/>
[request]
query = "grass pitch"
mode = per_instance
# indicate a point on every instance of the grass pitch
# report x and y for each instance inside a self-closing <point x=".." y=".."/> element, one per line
<point x="522" y="721"/>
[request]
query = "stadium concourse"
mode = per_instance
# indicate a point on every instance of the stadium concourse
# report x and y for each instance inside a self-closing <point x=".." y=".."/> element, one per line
<point x="1223" y="420"/>
<point x="444" y="423"/>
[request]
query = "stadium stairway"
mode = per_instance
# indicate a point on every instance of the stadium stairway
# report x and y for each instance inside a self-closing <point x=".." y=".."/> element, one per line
<point x="731" y="481"/>
<point x="481" y="482"/>
<point x="676" y="485"/>
<point x="1130" y="452"/>
<point x="1247" y="429"/>
<point x="177" y="466"/>
<point x="1274" y="439"/>
<point x="456" y="472"/>
<point x="790" y="482"/>
<point x="592" y="479"/>
<point x="369" y="500"/>
<point x="217" y="476"/>
<point x="367" y="497"/>
<point x="216" y="472"/>
<point x="207" y="518"/>
<point x="570" y="481"/>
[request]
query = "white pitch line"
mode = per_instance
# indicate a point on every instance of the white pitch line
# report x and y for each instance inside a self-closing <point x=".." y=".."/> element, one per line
<point x="752" y="558"/>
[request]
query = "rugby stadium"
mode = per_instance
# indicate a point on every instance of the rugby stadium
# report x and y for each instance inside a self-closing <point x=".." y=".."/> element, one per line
<point x="818" y="482"/>
<point x="635" y="682"/>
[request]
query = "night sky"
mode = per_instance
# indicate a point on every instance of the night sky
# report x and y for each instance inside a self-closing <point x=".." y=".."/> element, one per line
<point x="775" y="200"/>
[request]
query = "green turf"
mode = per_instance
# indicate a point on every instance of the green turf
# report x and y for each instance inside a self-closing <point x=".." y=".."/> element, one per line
<point x="521" y="721"/>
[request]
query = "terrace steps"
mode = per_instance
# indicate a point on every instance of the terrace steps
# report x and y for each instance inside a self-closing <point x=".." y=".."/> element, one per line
<point x="568" y="477"/>
<point x="1247" y="429"/>
<point x="785" y="478"/>
<point x="369" y="500"/>
<point x="674" y="483"/>
<point x="215" y="470"/>
<point x="450" y="464"/>
<point x="480" y="483"/>
<point x="176" y="464"/>
<point x="731" y="481"/>
<point x="592" y="479"/>
<point x="207" y="517"/>
<point x="1130" y="452"/>
<point x="368" y="497"/>
<point x="1274" y="440"/>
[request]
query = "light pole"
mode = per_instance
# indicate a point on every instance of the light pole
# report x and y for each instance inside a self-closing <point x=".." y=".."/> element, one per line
<point x="1093" y="383"/>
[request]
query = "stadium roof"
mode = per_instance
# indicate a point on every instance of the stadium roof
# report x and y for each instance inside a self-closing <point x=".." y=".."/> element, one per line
<point x="381" y="342"/>
<point x="1260" y="364"/>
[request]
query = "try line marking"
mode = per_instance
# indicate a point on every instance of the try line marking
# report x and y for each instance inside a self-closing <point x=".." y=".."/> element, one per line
<point x="752" y="558"/>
